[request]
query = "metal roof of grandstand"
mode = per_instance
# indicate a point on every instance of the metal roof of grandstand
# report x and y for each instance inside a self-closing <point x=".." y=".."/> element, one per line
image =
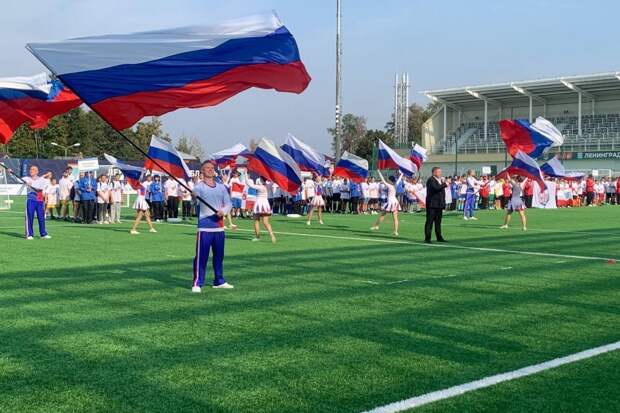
<point x="591" y="86"/>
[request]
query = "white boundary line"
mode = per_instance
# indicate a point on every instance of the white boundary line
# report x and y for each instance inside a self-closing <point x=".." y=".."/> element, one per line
<point x="492" y="380"/>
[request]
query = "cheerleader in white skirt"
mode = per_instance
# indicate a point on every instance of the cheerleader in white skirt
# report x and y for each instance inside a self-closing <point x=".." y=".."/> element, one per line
<point x="392" y="205"/>
<point x="262" y="209"/>
<point x="142" y="209"/>
<point x="317" y="203"/>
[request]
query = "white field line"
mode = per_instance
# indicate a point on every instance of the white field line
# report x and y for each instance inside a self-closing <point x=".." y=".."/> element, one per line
<point x="422" y="244"/>
<point x="492" y="380"/>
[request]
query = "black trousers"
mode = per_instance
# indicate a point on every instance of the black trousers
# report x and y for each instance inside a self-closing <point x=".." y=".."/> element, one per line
<point x="187" y="209"/>
<point x="173" y="207"/>
<point x="88" y="211"/>
<point x="589" y="198"/>
<point x="484" y="203"/>
<point x="158" y="209"/>
<point x="528" y="200"/>
<point x="433" y="217"/>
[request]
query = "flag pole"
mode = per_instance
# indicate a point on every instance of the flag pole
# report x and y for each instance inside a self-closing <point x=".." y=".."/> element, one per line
<point x="9" y="170"/>
<point x="132" y="143"/>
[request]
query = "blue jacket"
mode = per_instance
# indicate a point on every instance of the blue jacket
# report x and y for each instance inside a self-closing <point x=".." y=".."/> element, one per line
<point x="355" y="190"/>
<point x="156" y="193"/>
<point x="84" y="184"/>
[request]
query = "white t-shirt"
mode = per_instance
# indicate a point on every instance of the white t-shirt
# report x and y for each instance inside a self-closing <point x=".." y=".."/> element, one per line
<point x="64" y="187"/>
<point x="103" y="194"/>
<point x="117" y="191"/>
<point x="171" y="187"/>
<point x="364" y="188"/>
<point x="310" y="190"/>
<point x="187" y="195"/>
<point x="373" y="190"/>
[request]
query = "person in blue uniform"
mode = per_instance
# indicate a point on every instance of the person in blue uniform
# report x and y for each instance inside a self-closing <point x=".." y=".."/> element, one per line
<point x="210" y="237"/>
<point x="35" y="202"/>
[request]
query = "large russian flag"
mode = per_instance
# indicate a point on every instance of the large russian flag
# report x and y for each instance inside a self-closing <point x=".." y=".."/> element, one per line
<point x="533" y="139"/>
<point x="35" y="99"/>
<point x="554" y="168"/>
<point x="418" y="156"/>
<point x="307" y="158"/>
<point x="274" y="164"/>
<point x="389" y="159"/>
<point x="351" y="167"/>
<point x="524" y="165"/>
<point x="228" y="157"/>
<point x="132" y="174"/>
<point x="169" y="160"/>
<point x="126" y="77"/>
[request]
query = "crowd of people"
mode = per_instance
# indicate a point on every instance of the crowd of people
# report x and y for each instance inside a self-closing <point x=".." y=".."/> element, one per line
<point x="98" y="199"/>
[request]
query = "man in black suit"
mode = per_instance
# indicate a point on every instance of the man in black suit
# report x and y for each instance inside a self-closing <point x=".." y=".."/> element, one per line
<point x="435" y="204"/>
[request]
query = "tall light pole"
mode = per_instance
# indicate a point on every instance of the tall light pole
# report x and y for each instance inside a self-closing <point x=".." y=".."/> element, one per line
<point x="338" y="128"/>
<point x="66" y="148"/>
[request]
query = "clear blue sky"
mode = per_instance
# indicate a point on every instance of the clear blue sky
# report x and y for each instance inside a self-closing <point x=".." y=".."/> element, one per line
<point x="439" y="43"/>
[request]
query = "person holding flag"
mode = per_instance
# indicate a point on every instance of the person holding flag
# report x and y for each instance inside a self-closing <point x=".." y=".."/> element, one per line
<point x="391" y="205"/>
<point x="142" y="210"/>
<point x="35" y="204"/>
<point x="515" y="203"/>
<point x="261" y="209"/>
<point x="317" y="202"/>
<point x="210" y="236"/>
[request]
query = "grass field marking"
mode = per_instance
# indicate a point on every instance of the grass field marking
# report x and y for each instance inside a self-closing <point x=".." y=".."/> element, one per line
<point x="492" y="380"/>
<point x="435" y="245"/>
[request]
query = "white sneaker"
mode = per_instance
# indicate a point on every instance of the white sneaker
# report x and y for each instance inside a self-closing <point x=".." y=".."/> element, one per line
<point x="233" y="226"/>
<point x="504" y="227"/>
<point x="474" y="218"/>
<point x="374" y="228"/>
<point x="273" y="239"/>
<point x="47" y="237"/>
<point x="466" y="219"/>
<point x="29" y="238"/>
<point x="321" y="222"/>
<point x="524" y="228"/>
<point x="225" y="286"/>
<point x="196" y="289"/>
<point x="152" y="230"/>
<point x="308" y="223"/>
<point x="395" y="234"/>
<point x="255" y="239"/>
<point x="132" y="232"/>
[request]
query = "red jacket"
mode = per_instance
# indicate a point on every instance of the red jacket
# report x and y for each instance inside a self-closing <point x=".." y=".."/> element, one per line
<point x="589" y="185"/>
<point x="506" y="189"/>
<point x="484" y="190"/>
<point x="528" y="188"/>
<point x="618" y="186"/>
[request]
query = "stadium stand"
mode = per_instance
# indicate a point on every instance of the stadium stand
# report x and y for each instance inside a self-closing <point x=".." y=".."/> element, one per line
<point x="586" y="109"/>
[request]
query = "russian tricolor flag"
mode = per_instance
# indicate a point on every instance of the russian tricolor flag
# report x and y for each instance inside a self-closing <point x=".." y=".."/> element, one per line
<point x="169" y="160"/>
<point x="418" y="156"/>
<point x="35" y="99"/>
<point x="308" y="159"/>
<point x="132" y="174"/>
<point x="274" y="164"/>
<point x="389" y="159"/>
<point x="228" y="157"/>
<point x="533" y="139"/>
<point x="554" y="168"/>
<point x="524" y="165"/>
<point x="352" y="167"/>
<point x="128" y="76"/>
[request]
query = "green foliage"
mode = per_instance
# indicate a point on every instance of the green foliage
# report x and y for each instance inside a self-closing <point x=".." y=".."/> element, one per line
<point x="85" y="127"/>
<point x="364" y="146"/>
<point x="353" y="130"/>
<point x="191" y="145"/>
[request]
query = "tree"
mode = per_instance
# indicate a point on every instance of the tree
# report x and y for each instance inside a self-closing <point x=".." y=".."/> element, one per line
<point x="353" y="129"/>
<point x="365" y="146"/>
<point x="191" y="146"/>
<point x="417" y="116"/>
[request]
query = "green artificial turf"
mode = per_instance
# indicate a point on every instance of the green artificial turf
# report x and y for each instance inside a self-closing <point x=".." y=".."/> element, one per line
<point x="341" y="321"/>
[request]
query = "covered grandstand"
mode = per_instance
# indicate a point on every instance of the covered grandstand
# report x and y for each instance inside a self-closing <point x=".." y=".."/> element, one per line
<point x="585" y="108"/>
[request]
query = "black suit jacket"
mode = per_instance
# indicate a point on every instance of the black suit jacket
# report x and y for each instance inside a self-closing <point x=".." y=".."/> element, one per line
<point x="435" y="194"/>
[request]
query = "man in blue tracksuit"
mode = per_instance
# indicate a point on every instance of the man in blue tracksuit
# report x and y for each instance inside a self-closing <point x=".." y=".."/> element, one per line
<point x="210" y="236"/>
<point x="35" y="203"/>
<point x="88" y="193"/>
